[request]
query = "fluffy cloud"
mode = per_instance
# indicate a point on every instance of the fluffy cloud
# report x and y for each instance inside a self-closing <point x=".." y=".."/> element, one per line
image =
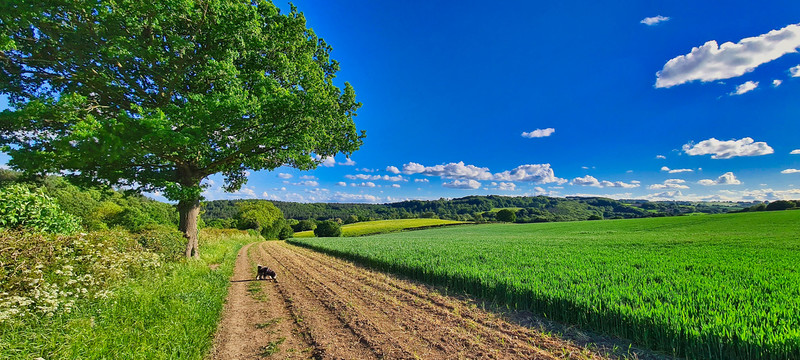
<point x="463" y="184"/>
<point x="341" y="183"/>
<point x="422" y="180"/>
<point x="308" y="177"/>
<point x="795" y="71"/>
<point x="506" y="186"/>
<point x="376" y="177"/>
<point x="396" y="185"/>
<point x="393" y="169"/>
<point x="452" y="170"/>
<point x="728" y="149"/>
<point x="675" y="171"/>
<point x="660" y="157"/>
<point x="348" y="162"/>
<point x="790" y="171"/>
<point x="795" y="152"/>
<point x="326" y="162"/>
<point x="650" y="21"/>
<point x="357" y="198"/>
<point x="536" y="173"/>
<point x="748" y="86"/>
<point x="538" y="133"/>
<point x="284" y="176"/>
<point x="589" y="180"/>
<point x="669" y="184"/>
<point x="666" y="195"/>
<point x="711" y="62"/>
<point x="776" y="83"/>
<point x="365" y="184"/>
<point x="306" y="183"/>
<point x="725" y="179"/>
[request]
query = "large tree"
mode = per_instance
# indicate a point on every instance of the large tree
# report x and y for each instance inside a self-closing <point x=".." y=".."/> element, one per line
<point x="158" y="95"/>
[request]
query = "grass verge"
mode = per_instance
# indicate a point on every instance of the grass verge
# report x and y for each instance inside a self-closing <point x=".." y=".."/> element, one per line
<point x="171" y="313"/>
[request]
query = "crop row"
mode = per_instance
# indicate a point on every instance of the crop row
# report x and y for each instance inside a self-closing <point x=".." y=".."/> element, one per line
<point x="720" y="287"/>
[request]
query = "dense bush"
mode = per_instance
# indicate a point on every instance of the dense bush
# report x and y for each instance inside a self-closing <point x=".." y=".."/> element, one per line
<point x="328" y="229"/>
<point x="304" y="225"/>
<point x="257" y="215"/>
<point x="781" y="205"/>
<point x="21" y="208"/>
<point x="44" y="274"/>
<point x="506" y="215"/>
<point x="164" y="240"/>
<point x="286" y="232"/>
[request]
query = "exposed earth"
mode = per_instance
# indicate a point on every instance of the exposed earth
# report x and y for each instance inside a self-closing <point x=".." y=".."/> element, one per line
<point x="322" y="307"/>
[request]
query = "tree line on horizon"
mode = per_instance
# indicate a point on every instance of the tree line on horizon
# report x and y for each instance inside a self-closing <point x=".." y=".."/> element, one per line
<point x="479" y="208"/>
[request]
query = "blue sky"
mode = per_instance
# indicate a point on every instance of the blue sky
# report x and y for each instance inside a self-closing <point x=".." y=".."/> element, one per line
<point x="665" y="100"/>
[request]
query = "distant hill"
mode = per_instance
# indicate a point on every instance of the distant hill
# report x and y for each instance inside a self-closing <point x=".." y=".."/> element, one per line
<point x="480" y="208"/>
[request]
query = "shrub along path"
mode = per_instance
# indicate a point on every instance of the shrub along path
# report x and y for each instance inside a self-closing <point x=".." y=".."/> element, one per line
<point x="326" y="308"/>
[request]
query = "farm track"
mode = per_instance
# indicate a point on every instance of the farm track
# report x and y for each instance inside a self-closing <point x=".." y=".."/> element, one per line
<point x="331" y="309"/>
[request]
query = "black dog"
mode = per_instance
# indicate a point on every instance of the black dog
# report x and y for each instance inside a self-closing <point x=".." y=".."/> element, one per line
<point x="264" y="272"/>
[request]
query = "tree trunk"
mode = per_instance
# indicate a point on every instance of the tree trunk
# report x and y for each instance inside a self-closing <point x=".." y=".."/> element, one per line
<point x="189" y="211"/>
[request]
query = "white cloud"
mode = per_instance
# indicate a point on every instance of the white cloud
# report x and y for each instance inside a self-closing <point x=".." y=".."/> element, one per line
<point x="348" y="162"/>
<point x="795" y="152"/>
<point x="728" y="149"/>
<point x="285" y="176"/>
<point x="341" y="183"/>
<point x="669" y="184"/>
<point x="538" y="133"/>
<point x="650" y="21"/>
<point x="660" y="157"/>
<point x="422" y="180"/>
<point x="326" y="162"/>
<point x="463" y="184"/>
<point x="308" y="177"/>
<point x="666" y="195"/>
<point x="452" y="170"/>
<point x="711" y="62"/>
<point x="776" y="83"/>
<point x="506" y="186"/>
<point x="746" y="87"/>
<point x="725" y="179"/>
<point x="790" y="171"/>
<point x="761" y="194"/>
<point x="795" y="71"/>
<point x="376" y="177"/>
<point x="368" y="170"/>
<point x="393" y="169"/>
<point x="536" y="173"/>
<point x="396" y="185"/>
<point x="359" y="198"/>
<point x="306" y="183"/>
<point x="589" y="180"/>
<point x="675" y="171"/>
<point x="367" y="184"/>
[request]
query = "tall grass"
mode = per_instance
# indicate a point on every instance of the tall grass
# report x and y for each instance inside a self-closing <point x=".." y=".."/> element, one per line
<point x="703" y="287"/>
<point x="170" y="313"/>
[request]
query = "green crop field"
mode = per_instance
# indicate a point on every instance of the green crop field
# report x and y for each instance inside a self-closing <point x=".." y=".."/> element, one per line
<point x="716" y="286"/>
<point x="385" y="226"/>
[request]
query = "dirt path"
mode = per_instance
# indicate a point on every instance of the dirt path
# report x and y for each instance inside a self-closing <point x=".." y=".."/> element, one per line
<point x="325" y="308"/>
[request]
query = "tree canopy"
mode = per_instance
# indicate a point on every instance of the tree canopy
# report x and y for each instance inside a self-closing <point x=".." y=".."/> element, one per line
<point x="158" y="95"/>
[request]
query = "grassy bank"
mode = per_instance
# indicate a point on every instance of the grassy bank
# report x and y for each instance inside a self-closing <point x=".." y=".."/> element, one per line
<point x="169" y="313"/>
<point x="715" y="286"/>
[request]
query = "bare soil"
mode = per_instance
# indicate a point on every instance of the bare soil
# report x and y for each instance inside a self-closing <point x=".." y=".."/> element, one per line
<point x="322" y="307"/>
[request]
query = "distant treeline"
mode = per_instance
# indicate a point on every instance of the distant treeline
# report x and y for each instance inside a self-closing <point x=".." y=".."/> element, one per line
<point x="479" y="208"/>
